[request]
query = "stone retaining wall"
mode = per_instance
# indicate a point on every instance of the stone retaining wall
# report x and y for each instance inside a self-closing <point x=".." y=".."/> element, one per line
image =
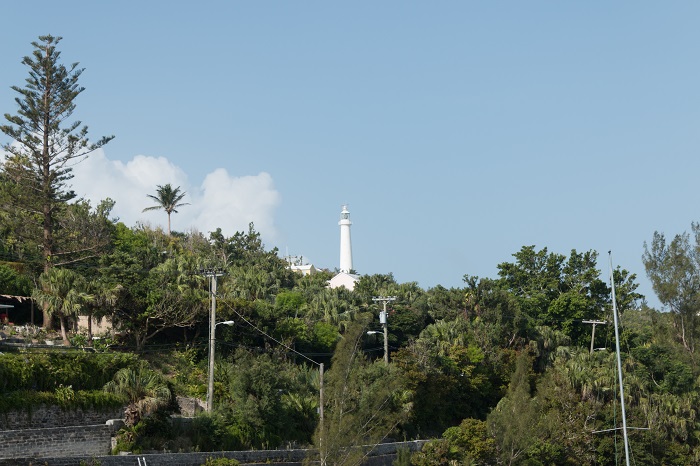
<point x="55" y="416"/>
<point x="55" y="442"/>
<point x="381" y="455"/>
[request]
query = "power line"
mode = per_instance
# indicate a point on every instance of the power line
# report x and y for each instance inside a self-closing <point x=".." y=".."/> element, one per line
<point x="320" y="381"/>
<point x="270" y="337"/>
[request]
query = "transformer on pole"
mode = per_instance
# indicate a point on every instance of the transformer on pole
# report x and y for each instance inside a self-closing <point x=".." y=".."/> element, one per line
<point x="383" y="319"/>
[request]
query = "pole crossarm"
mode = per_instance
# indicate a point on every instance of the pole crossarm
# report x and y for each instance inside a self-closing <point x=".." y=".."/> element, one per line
<point x="212" y="272"/>
<point x="594" y="323"/>
<point x="383" y="299"/>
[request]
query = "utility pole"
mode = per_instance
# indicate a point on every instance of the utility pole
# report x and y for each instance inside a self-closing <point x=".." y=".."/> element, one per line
<point x="383" y="319"/>
<point x="321" y="446"/>
<point x="212" y="274"/>
<point x="594" y="322"/>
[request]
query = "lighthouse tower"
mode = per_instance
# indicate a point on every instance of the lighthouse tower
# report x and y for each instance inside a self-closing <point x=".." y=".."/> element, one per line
<point x="345" y="244"/>
<point x="345" y="278"/>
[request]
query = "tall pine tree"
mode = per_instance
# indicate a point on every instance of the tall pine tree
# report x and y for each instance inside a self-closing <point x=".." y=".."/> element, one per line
<point x="43" y="148"/>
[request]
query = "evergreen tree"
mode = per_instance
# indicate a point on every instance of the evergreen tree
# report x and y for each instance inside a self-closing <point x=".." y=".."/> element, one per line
<point x="364" y="402"/>
<point x="674" y="270"/>
<point x="513" y="421"/>
<point x="45" y="145"/>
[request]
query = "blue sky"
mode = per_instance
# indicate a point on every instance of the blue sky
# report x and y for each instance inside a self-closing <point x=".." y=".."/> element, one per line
<point x="456" y="131"/>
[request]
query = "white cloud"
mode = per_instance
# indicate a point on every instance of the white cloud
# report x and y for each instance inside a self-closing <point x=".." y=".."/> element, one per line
<point x="222" y="201"/>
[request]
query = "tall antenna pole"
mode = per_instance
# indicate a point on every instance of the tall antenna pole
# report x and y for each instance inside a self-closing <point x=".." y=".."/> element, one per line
<point x="619" y="365"/>
<point x="383" y="319"/>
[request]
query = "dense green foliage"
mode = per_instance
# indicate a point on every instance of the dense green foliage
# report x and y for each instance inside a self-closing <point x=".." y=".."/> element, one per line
<point x="14" y="283"/>
<point x="499" y="369"/>
<point x="67" y="379"/>
<point x="46" y="371"/>
<point x="65" y="397"/>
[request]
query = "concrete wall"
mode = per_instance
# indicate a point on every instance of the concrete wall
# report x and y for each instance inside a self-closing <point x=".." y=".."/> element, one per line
<point x="99" y="326"/>
<point x="382" y="455"/>
<point x="55" y="442"/>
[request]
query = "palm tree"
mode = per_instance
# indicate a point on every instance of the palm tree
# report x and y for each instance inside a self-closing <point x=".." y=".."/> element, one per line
<point x="167" y="198"/>
<point x="61" y="293"/>
<point x="144" y="390"/>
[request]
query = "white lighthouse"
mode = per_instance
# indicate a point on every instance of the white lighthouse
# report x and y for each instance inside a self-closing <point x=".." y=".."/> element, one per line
<point x="346" y="277"/>
<point x="345" y="243"/>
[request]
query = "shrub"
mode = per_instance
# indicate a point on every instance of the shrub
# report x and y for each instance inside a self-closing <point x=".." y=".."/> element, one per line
<point x="403" y="457"/>
<point x="186" y="372"/>
<point x="92" y="462"/>
<point x="213" y="432"/>
<point x="64" y="396"/>
<point x="47" y="371"/>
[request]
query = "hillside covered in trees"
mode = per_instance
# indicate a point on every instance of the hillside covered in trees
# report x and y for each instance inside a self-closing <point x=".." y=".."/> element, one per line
<point x="502" y="370"/>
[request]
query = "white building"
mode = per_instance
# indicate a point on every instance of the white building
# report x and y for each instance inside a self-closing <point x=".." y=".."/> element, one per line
<point x="306" y="269"/>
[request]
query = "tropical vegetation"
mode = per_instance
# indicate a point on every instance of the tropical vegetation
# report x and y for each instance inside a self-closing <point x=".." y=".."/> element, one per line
<point x="502" y="370"/>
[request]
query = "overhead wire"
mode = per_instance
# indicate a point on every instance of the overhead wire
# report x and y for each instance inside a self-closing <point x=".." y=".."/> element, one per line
<point x="232" y="309"/>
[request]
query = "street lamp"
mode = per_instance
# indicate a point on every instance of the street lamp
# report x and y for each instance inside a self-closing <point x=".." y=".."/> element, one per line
<point x="212" y="344"/>
<point x="386" y="342"/>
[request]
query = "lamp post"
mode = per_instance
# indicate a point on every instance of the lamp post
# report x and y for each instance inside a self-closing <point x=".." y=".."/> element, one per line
<point x="321" y="451"/>
<point x="211" y="274"/>
<point x="212" y="344"/>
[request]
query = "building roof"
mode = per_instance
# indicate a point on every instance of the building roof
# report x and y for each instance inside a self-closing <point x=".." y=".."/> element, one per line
<point x="306" y="269"/>
<point x="347" y="280"/>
